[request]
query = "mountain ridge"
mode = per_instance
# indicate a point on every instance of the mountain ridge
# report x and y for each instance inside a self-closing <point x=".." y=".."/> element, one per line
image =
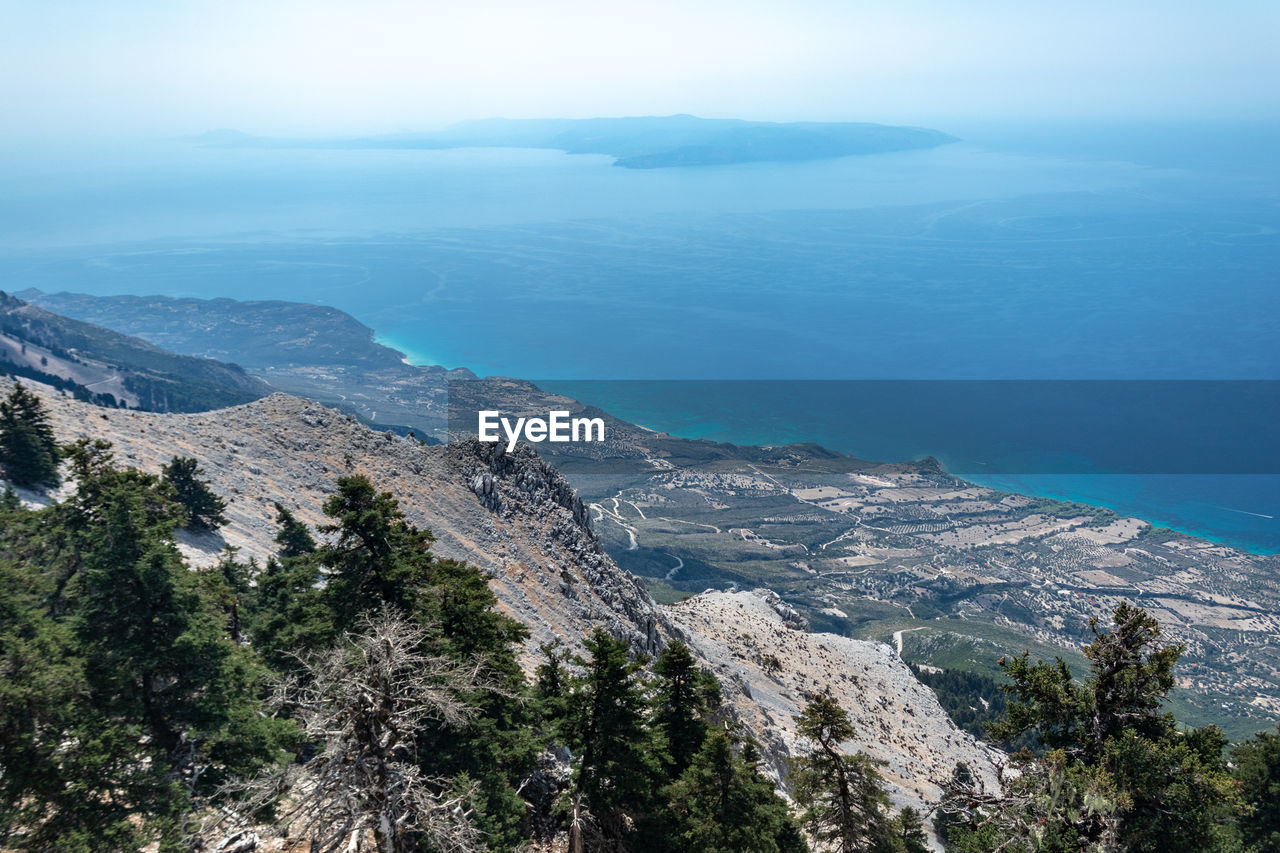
<point x="113" y="368"/>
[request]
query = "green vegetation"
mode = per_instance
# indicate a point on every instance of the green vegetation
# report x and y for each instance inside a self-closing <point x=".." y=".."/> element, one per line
<point x="70" y="386"/>
<point x="845" y="805"/>
<point x="971" y="699"/>
<point x="28" y="450"/>
<point x="1067" y="509"/>
<point x="1257" y="767"/>
<point x="363" y="692"/>
<point x="650" y="771"/>
<point x="204" y="508"/>
<point x="721" y="804"/>
<point x="124" y="692"/>
<point x="359" y="684"/>
<point x="1116" y="773"/>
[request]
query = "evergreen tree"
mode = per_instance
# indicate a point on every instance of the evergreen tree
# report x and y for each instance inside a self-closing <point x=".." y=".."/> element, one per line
<point x="376" y="560"/>
<point x="1257" y="768"/>
<point x="909" y="827"/>
<point x="41" y="688"/>
<point x="844" y="802"/>
<point x="721" y="804"/>
<point x="1119" y="774"/>
<point x="551" y="685"/>
<point x="685" y="696"/>
<point x="204" y="508"/>
<point x="229" y="585"/>
<point x="289" y="612"/>
<point x="293" y="538"/>
<point x="157" y="650"/>
<point x="28" y="450"/>
<point x="158" y="701"/>
<point x="619" y="764"/>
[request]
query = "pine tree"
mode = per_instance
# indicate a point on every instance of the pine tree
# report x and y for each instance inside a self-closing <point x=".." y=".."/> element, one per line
<point x="375" y="561"/>
<point x="293" y="538"/>
<point x="685" y="696"/>
<point x="1119" y="774"/>
<point x="289" y="612"/>
<point x="909" y="827"/>
<point x="721" y="804"/>
<point x="619" y="764"/>
<point x="157" y="650"/>
<point x="28" y="450"/>
<point x="1257" y="768"/>
<point x="204" y="508"/>
<point x="157" y="699"/>
<point x="41" y="698"/>
<point x="551" y="685"/>
<point x="230" y="585"/>
<point x="842" y="795"/>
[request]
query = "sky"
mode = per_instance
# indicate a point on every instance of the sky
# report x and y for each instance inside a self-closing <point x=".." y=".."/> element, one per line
<point x="342" y="66"/>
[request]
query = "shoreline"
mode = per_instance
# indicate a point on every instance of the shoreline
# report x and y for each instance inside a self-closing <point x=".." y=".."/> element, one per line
<point x="1177" y="527"/>
<point x="410" y="358"/>
<point x="1155" y="519"/>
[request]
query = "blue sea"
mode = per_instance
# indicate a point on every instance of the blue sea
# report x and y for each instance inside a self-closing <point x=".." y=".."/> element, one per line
<point x="1024" y="252"/>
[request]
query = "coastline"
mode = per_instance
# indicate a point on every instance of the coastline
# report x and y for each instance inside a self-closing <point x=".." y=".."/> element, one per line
<point x="408" y="357"/>
<point x="1146" y="509"/>
<point x="1182" y="527"/>
<point x="1149" y="511"/>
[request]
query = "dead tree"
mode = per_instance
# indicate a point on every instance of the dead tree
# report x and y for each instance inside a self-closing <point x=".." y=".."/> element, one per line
<point x="365" y="700"/>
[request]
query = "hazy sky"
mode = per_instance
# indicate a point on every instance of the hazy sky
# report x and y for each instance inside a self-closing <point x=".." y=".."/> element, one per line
<point x="305" y="66"/>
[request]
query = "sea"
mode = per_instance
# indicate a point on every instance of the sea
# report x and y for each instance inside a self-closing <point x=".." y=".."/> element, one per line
<point x="767" y="303"/>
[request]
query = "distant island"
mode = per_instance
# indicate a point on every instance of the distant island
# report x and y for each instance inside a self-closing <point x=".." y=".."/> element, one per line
<point x="649" y="142"/>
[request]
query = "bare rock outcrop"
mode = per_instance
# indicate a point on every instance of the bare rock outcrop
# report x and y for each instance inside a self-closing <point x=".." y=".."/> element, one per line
<point x="767" y="669"/>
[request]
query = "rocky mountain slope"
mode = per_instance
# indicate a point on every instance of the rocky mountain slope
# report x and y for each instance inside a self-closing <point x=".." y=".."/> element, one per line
<point x="518" y="519"/>
<point x="509" y="514"/>
<point x="768" y="664"/>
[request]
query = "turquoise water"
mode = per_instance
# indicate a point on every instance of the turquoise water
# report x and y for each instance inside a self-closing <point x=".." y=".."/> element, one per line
<point x="1042" y="252"/>
<point x="1074" y="441"/>
<point x="1198" y="504"/>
